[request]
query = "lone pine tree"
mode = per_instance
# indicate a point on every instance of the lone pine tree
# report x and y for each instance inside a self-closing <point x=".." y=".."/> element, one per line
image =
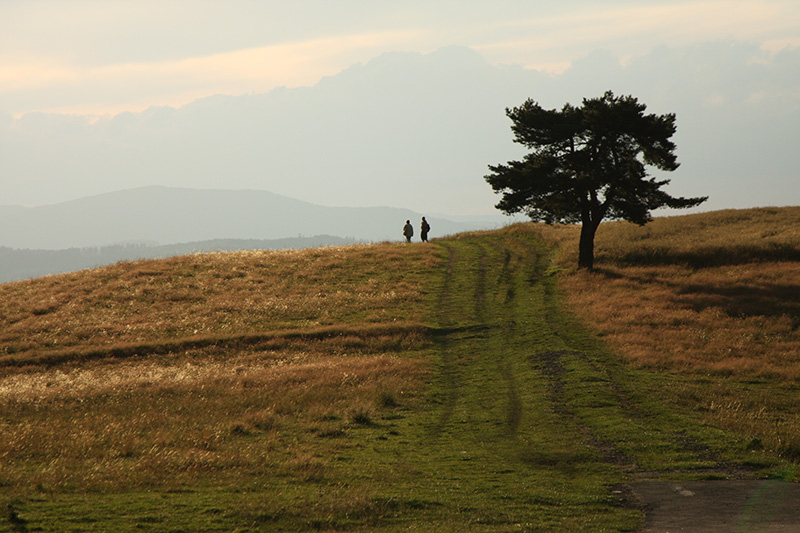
<point x="588" y="164"/>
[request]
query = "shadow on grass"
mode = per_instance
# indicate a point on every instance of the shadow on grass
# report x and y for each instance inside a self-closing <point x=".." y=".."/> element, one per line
<point x="709" y="256"/>
<point x="733" y="297"/>
<point x="737" y="301"/>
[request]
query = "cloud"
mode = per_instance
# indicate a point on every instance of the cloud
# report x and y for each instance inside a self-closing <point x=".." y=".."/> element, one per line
<point x="20" y="75"/>
<point x="416" y="130"/>
<point x="294" y="64"/>
<point x="135" y="86"/>
<point x="100" y="57"/>
<point x="552" y="42"/>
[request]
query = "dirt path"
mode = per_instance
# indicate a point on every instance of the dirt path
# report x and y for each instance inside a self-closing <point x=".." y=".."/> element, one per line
<point x="741" y="506"/>
<point x="499" y="284"/>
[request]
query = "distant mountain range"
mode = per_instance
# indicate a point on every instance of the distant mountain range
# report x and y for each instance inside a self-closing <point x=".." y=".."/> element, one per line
<point x="404" y="129"/>
<point x="164" y="221"/>
<point x="418" y="131"/>
<point x="167" y="215"/>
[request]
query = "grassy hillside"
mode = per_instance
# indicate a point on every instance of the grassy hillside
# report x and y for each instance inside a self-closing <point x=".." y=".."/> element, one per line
<point x="445" y="387"/>
<point x="712" y="299"/>
<point x="208" y="298"/>
<point x="722" y="289"/>
<point x="26" y="264"/>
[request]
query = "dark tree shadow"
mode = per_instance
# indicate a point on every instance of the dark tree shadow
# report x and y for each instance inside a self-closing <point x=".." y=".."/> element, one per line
<point x="736" y="300"/>
<point x="763" y="299"/>
<point x="707" y="257"/>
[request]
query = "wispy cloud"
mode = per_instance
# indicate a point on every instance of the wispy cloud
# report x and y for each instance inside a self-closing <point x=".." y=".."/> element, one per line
<point x="108" y="88"/>
<point x="552" y="42"/>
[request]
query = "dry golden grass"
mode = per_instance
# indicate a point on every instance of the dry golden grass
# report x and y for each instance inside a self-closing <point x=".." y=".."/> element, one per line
<point x="171" y="422"/>
<point x="711" y="293"/>
<point x="211" y="296"/>
<point x="219" y="358"/>
<point x="715" y="296"/>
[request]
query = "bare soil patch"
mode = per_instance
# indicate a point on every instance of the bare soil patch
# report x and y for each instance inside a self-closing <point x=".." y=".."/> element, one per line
<point x="719" y="506"/>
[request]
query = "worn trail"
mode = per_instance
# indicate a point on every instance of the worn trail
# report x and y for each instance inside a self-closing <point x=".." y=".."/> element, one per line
<point x="542" y="397"/>
<point x="510" y="349"/>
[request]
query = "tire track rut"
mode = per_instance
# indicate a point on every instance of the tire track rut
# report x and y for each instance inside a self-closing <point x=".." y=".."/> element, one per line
<point x="494" y="284"/>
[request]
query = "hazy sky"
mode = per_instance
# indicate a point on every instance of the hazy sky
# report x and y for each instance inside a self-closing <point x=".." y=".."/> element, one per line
<point x="107" y="56"/>
<point x="82" y="82"/>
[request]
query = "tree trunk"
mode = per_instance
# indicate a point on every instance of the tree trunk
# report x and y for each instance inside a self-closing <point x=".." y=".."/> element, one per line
<point x="586" y="246"/>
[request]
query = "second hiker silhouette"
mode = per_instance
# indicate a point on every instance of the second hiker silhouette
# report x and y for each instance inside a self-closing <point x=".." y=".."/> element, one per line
<point x="408" y="231"/>
<point x="424" y="230"/>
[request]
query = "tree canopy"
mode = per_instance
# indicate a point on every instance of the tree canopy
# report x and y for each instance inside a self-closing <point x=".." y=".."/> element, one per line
<point x="588" y="164"/>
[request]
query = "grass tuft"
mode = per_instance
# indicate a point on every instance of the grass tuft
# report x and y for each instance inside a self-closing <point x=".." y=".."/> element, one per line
<point x="361" y="415"/>
<point x="388" y="399"/>
<point x="12" y="517"/>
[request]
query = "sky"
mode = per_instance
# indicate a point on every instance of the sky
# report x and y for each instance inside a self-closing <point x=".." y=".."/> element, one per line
<point x="108" y="56"/>
<point x="95" y="59"/>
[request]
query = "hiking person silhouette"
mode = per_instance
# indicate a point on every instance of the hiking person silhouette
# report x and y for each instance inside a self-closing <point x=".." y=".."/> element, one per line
<point x="424" y="230"/>
<point x="408" y="230"/>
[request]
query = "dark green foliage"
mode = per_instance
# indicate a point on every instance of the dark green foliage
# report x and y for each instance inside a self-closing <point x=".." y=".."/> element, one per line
<point x="588" y="164"/>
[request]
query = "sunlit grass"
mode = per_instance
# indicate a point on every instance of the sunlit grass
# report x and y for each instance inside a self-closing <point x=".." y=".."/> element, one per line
<point x="213" y="295"/>
<point x="391" y="387"/>
<point x="302" y="423"/>
<point x="712" y="295"/>
<point x="717" y="293"/>
<point x="194" y="420"/>
<point x="205" y="369"/>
